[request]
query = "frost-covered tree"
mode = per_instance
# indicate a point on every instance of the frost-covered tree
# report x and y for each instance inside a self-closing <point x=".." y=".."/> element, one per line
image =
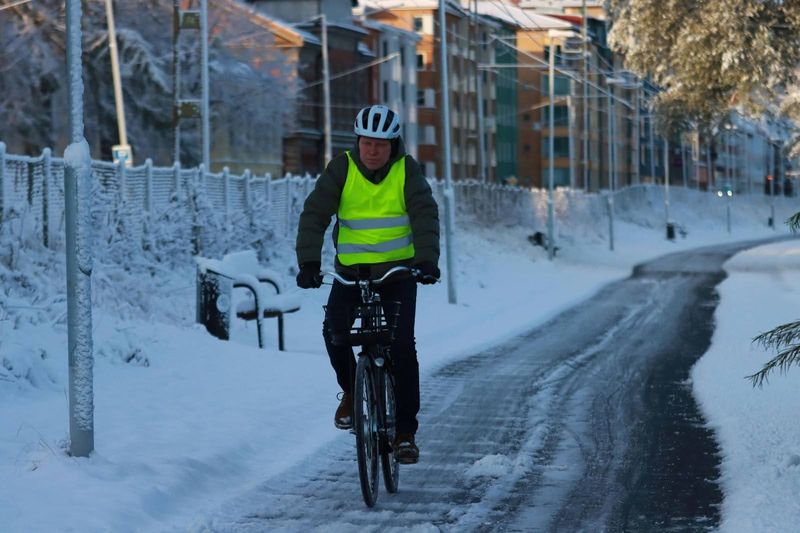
<point x="30" y="76"/>
<point x="711" y="56"/>
<point x="251" y="86"/>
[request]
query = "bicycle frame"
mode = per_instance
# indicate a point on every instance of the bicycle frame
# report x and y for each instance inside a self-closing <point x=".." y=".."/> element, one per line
<point x="375" y="370"/>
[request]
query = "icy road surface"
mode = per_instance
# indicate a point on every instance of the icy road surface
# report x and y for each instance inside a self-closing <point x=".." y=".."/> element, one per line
<point x="585" y="423"/>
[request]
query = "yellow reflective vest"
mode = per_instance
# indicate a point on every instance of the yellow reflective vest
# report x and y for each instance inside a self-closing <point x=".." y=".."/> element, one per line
<point x="374" y="226"/>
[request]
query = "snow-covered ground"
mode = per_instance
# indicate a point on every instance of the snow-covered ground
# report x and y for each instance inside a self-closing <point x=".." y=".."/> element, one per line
<point x="184" y="422"/>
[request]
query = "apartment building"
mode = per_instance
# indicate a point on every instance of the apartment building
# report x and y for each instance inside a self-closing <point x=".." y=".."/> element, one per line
<point x="463" y="29"/>
<point x="304" y="146"/>
<point x="393" y="81"/>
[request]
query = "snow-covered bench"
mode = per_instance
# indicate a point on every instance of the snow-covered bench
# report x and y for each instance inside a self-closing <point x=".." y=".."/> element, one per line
<point x="216" y="280"/>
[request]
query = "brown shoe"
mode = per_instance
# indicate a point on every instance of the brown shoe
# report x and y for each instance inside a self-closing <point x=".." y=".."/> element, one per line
<point x="344" y="413"/>
<point x="405" y="449"/>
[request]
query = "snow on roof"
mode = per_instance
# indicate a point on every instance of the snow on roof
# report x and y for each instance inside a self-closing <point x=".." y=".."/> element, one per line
<point x="499" y="9"/>
<point x="380" y="26"/>
<point x="521" y="17"/>
<point x="260" y="17"/>
<point x="409" y="4"/>
<point x="559" y="4"/>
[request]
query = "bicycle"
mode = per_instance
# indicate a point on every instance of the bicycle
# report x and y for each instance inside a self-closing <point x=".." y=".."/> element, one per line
<point x="374" y="413"/>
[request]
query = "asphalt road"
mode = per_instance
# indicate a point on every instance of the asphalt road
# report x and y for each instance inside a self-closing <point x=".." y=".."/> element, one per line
<point x="586" y="423"/>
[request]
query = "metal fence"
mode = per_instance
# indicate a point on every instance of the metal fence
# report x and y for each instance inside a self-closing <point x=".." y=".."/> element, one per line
<point x="236" y="206"/>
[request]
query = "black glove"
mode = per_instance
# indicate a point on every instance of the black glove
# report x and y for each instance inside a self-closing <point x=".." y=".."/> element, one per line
<point x="428" y="272"/>
<point x="309" y="276"/>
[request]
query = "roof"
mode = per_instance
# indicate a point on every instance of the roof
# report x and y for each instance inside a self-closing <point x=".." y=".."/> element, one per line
<point x="523" y="18"/>
<point x="559" y="4"/>
<point x="386" y="5"/>
<point x="346" y="25"/>
<point x="499" y="9"/>
<point x="576" y="20"/>
<point x="388" y="28"/>
<point x="279" y="28"/>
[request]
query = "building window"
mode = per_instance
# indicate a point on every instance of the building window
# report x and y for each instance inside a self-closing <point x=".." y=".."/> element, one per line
<point x="418" y="24"/>
<point x="560" y="86"/>
<point x="420" y="61"/>
<point x="560" y="146"/>
<point x="420" y="98"/>
<point x="385" y="91"/>
<point x="402" y="56"/>
<point x="403" y="93"/>
<point x="558" y="54"/>
<point x="385" y="48"/>
<point x="426" y="134"/>
<point x="560" y="117"/>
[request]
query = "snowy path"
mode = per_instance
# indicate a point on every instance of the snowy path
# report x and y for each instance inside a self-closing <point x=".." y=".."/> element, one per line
<point x="585" y="423"/>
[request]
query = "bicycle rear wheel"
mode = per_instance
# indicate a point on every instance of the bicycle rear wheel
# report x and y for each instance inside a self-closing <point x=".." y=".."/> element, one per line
<point x="365" y="424"/>
<point x="391" y="468"/>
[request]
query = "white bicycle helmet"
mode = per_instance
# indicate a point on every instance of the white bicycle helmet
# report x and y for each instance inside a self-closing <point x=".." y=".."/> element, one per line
<point x="377" y="121"/>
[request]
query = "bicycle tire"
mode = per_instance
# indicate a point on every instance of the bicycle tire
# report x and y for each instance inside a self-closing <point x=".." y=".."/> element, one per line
<point x="389" y="463"/>
<point x="365" y="424"/>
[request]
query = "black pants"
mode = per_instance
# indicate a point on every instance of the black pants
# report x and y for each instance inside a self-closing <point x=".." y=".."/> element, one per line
<point x="404" y="352"/>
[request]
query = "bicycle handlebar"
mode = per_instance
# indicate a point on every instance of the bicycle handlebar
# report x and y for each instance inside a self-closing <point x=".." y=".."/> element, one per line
<point x="374" y="282"/>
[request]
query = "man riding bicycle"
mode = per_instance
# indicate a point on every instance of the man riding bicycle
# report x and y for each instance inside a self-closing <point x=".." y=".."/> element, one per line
<point x="386" y="216"/>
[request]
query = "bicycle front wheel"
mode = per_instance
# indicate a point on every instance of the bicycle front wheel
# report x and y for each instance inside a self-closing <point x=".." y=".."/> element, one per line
<point x="391" y="468"/>
<point x="365" y="424"/>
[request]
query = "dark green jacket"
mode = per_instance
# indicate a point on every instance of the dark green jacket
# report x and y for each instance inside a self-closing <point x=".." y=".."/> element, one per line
<point x="323" y="203"/>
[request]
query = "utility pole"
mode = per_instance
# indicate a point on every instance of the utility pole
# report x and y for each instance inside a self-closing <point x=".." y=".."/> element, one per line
<point x="637" y="136"/>
<point x="652" y="144"/>
<point x="550" y="150"/>
<point x="123" y="149"/>
<point x="449" y="193"/>
<point x="610" y="198"/>
<point x="479" y="43"/>
<point x="585" y="106"/>
<point x="670" y="228"/>
<point x="570" y="128"/>
<point x="77" y="203"/>
<point x="206" y="132"/>
<point x="326" y="89"/>
<point x="192" y="107"/>
<point x="773" y="177"/>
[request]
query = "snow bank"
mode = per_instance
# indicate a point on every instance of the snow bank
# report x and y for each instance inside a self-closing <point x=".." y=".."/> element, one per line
<point x="184" y="422"/>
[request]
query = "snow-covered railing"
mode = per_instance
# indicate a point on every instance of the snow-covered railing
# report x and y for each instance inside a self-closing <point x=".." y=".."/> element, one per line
<point x="215" y="213"/>
<point x="34" y="186"/>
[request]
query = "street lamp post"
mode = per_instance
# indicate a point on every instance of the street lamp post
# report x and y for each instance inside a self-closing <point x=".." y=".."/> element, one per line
<point x="77" y="203"/>
<point x="550" y="151"/>
<point x="610" y="196"/>
<point x="326" y="90"/>
<point x="551" y="67"/>
<point x="612" y="148"/>
<point x="449" y="194"/>
<point x="771" y="184"/>
<point x="123" y="150"/>
<point x="669" y="225"/>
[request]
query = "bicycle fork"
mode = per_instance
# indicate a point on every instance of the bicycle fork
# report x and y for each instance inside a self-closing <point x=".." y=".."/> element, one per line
<point x="378" y="372"/>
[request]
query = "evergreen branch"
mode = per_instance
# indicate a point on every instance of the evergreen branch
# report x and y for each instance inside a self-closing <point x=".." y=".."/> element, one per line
<point x="794" y="222"/>
<point x="780" y="337"/>
<point x="782" y="361"/>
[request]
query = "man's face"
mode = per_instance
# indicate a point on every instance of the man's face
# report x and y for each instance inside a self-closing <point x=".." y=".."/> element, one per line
<point x="374" y="152"/>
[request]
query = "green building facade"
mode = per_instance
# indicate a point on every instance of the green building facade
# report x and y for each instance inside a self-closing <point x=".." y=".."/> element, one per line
<point x="506" y="107"/>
